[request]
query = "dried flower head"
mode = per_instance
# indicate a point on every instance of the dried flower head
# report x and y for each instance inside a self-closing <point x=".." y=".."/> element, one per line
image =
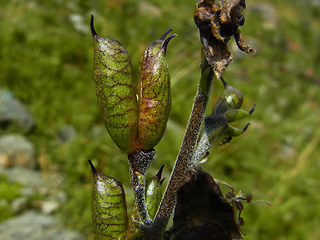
<point x="217" y="22"/>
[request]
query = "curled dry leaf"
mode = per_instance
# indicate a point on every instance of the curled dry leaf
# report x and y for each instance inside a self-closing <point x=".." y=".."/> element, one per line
<point x="217" y="22"/>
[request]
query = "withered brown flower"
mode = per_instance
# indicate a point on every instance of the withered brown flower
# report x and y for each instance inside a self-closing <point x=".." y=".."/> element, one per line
<point x="217" y="22"/>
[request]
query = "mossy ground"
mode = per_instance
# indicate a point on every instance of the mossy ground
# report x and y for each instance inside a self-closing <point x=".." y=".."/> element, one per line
<point x="46" y="61"/>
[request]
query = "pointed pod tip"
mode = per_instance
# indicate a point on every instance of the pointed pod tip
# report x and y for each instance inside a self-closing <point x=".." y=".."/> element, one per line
<point x="162" y="181"/>
<point x="158" y="175"/>
<point x="225" y="84"/>
<point x="246" y="127"/>
<point x="94" y="171"/>
<point x="93" y="31"/>
<point x="166" y="42"/>
<point x="165" y="34"/>
<point x="252" y="109"/>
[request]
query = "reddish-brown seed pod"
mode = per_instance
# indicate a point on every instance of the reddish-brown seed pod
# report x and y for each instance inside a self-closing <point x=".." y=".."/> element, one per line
<point x="154" y="93"/>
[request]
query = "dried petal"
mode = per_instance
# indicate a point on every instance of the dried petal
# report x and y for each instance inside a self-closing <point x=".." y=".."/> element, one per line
<point x="202" y="212"/>
<point x="217" y="23"/>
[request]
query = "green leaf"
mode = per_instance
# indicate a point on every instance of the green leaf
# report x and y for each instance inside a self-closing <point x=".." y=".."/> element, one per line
<point x="109" y="210"/>
<point x="116" y="90"/>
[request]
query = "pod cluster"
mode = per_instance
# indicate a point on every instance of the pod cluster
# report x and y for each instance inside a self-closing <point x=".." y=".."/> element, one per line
<point x="217" y="129"/>
<point x="135" y="113"/>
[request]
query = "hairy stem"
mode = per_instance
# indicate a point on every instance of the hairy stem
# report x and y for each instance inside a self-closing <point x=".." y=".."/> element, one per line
<point x="186" y="151"/>
<point x="139" y="162"/>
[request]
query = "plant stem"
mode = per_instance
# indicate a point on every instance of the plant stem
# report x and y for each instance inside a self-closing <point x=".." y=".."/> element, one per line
<point x="186" y="151"/>
<point x="139" y="162"/>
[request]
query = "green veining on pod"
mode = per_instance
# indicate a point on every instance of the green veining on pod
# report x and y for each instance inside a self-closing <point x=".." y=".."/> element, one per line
<point x="109" y="211"/>
<point x="116" y="90"/>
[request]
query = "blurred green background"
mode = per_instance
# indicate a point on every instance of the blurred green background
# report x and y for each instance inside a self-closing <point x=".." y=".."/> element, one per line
<point x="46" y="61"/>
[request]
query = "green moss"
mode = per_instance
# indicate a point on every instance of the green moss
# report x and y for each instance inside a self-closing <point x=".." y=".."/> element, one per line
<point x="8" y="192"/>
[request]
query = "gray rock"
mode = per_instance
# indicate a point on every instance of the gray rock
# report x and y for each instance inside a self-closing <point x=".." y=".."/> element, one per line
<point x="18" y="204"/>
<point x="27" y="177"/>
<point x="13" y="110"/>
<point x="66" y="134"/>
<point x="16" y="150"/>
<point x="34" y="226"/>
<point x="49" y="206"/>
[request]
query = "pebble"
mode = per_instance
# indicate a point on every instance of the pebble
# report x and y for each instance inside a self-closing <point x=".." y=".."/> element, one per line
<point x="12" y="110"/>
<point x="49" y="207"/>
<point x="16" y="150"/>
<point x="66" y="134"/>
<point x="34" y="226"/>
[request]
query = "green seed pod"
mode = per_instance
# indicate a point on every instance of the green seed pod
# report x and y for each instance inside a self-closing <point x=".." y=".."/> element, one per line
<point x="116" y="91"/>
<point x="153" y="197"/>
<point x="231" y="99"/>
<point x="154" y="93"/>
<point x="154" y="193"/>
<point x="234" y="132"/>
<point x="233" y="115"/>
<point x="109" y="210"/>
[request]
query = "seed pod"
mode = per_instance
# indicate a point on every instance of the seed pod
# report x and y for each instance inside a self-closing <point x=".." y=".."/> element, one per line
<point x="154" y="193"/>
<point x="154" y="93"/>
<point x="234" y="132"/>
<point x="109" y="211"/>
<point x="116" y="90"/>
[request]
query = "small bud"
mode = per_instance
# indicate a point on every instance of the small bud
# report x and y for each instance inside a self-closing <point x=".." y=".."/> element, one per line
<point x="231" y="99"/>
<point x="234" y="132"/>
<point x="236" y="114"/>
